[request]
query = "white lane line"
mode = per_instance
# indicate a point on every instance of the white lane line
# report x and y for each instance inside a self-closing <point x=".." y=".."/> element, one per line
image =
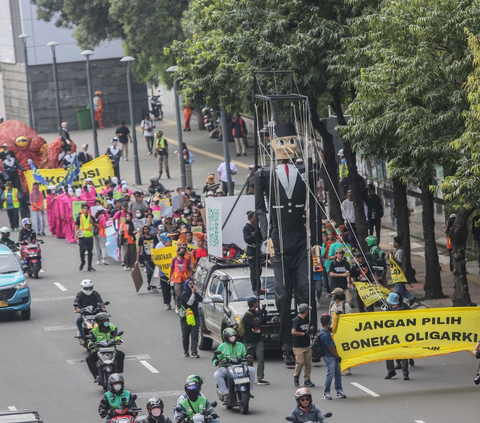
<point x="65" y="327"/>
<point x="368" y="391"/>
<point x="419" y="421"/>
<point x="69" y="297"/>
<point x="149" y="366"/>
<point x="160" y="394"/>
<point x="12" y="408"/>
<point x="60" y="286"/>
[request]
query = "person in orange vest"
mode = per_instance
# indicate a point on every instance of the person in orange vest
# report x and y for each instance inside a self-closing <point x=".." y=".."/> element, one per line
<point x="446" y="231"/>
<point x="199" y="252"/>
<point x="129" y="241"/>
<point x="84" y="236"/>
<point x="187" y="114"/>
<point x="180" y="271"/>
<point x="11" y="198"/>
<point x="239" y="132"/>
<point x="98" y="109"/>
<point x="37" y="205"/>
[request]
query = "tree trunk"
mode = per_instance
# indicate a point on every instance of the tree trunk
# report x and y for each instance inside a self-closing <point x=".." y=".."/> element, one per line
<point x="354" y="178"/>
<point x="199" y="115"/>
<point x="403" y="224"/>
<point x="330" y="163"/>
<point x="458" y="236"/>
<point x="433" y="281"/>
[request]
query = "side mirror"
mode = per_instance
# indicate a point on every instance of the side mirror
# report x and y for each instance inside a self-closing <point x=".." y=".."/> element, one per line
<point x="134" y="397"/>
<point x="213" y="404"/>
<point x="327" y="415"/>
<point x="106" y="303"/>
<point x="215" y="353"/>
<point x="217" y="299"/>
<point x="178" y="409"/>
<point x="120" y="333"/>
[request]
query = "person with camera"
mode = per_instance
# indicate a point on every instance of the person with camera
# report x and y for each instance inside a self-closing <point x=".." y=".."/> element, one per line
<point x="301" y="331"/>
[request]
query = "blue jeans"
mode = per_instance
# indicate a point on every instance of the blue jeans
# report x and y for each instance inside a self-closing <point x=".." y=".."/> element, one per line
<point x="221" y="379"/>
<point x="79" y="325"/>
<point x="403" y="291"/>
<point x="333" y="369"/>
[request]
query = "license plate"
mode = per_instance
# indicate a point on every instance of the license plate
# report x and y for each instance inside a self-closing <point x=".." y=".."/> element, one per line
<point x="3" y="303"/>
<point x="241" y="380"/>
<point x="271" y="336"/>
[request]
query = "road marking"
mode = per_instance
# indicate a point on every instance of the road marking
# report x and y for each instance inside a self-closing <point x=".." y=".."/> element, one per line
<point x="161" y="394"/>
<point x="53" y="328"/>
<point x="368" y="391"/>
<point x="127" y="357"/>
<point x="12" y="408"/>
<point x="419" y="421"/>
<point x="149" y="366"/>
<point x="69" y="297"/>
<point x="60" y="286"/>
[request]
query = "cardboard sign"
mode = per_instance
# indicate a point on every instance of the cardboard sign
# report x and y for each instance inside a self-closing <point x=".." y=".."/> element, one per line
<point x="76" y="208"/>
<point x="162" y="257"/>
<point x="137" y="277"/>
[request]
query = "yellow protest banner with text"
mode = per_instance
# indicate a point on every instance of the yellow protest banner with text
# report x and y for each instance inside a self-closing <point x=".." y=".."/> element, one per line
<point x="99" y="169"/>
<point x="370" y="293"/>
<point x="162" y="257"/>
<point x="366" y="337"/>
<point x="396" y="272"/>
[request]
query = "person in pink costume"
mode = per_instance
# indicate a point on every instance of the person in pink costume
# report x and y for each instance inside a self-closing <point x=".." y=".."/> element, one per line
<point x="51" y="198"/>
<point x="59" y="216"/>
<point x="89" y="193"/>
<point x="67" y="213"/>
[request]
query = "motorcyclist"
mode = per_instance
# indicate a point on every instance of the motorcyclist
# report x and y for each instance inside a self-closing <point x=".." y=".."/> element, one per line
<point x="228" y="350"/>
<point x="379" y="259"/>
<point x="6" y="240"/>
<point x="87" y="296"/>
<point x="194" y="403"/>
<point x="305" y="411"/>
<point x="115" y="396"/>
<point x="156" y="186"/>
<point x="155" y="409"/>
<point x="103" y="330"/>
<point x="27" y="235"/>
<point x="192" y="378"/>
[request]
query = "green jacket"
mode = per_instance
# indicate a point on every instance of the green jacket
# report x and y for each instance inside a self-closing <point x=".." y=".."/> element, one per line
<point x="229" y="350"/>
<point x="192" y="408"/>
<point x="101" y="336"/>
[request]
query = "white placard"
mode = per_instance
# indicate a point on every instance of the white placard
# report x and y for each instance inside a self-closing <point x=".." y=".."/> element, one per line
<point x="214" y="226"/>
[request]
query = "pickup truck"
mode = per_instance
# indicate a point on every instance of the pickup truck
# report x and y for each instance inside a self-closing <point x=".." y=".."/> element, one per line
<point x="228" y="286"/>
<point x="20" y="416"/>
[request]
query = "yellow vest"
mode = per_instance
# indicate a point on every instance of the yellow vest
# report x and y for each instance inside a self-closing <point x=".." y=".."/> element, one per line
<point x="15" y="201"/>
<point x="87" y="230"/>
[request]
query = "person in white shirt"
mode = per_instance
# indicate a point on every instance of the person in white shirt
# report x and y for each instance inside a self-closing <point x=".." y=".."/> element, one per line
<point x="348" y="214"/>
<point x="147" y="125"/>
<point x="222" y="175"/>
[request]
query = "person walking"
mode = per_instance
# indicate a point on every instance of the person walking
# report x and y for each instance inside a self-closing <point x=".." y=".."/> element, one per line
<point x="187" y="114"/>
<point x="10" y="171"/>
<point x="84" y="157"/>
<point x="239" y="132"/>
<point x="340" y="273"/>
<point x="331" y="358"/>
<point x="348" y="214"/>
<point x="446" y="231"/>
<point x="123" y="134"/>
<point x="253" y="319"/>
<point x="84" y="236"/>
<point x="148" y="125"/>
<point x="11" y="202"/>
<point x="37" y="204"/>
<point x="476" y="235"/>
<point x="161" y="151"/>
<point x="339" y="306"/>
<point x="128" y="234"/>
<point x="251" y="235"/>
<point x="101" y="236"/>
<point x="301" y="331"/>
<point x="165" y="241"/>
<point x="146" y="243"/>
<point x="115" y="155"/>
<point x="98" y="109"/>
<point x="180" y="272"/>
<point x="222" y="175"/>
<point x="374" y="210"/>
<point x="400" y="259"/>
<point x="360" y="272"/>
<point x="189" y="304"/>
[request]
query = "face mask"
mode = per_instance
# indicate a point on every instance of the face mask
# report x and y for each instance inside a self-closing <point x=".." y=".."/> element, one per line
<point x="156" y="412"/>
<point x="181" y="254"/>
<point x="117" y="386"/>
<point x="139" y="215"/>
<point x="232" y="339"/>
<point x="106" y="324"/>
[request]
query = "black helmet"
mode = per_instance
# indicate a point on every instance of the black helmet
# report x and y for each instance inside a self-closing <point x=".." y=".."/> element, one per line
<point x="227" y="333"/>
<point x="116" y="378"/>
<point x="192" y="390"/>
<point x="154" y="179"/>
<point x="155" y="403"/>
<point x="101" y="317"/>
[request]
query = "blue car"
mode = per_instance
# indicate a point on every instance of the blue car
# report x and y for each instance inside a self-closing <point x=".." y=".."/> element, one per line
<point x="14" y="290"/>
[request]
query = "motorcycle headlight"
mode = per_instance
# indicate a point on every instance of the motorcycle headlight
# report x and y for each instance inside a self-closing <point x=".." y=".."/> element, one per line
<point x="21" y="285"/>
<point x="239" y="371"/>
<point x="108" y="368"/>
<point x="237" y="318"/>
<point x="89" y="325"/>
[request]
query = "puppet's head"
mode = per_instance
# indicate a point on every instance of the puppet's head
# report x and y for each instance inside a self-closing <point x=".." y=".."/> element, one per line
<point x="284" y="141"/>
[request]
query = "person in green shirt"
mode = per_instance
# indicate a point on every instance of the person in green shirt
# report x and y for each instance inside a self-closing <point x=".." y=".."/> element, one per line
<point x="115" y="396"/>
<point x="229" y="349"/>
<point x="194" y="403"/>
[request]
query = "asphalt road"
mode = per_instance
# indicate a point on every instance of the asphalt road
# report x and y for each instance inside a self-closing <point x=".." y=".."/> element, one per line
<point x="40" y="366"/>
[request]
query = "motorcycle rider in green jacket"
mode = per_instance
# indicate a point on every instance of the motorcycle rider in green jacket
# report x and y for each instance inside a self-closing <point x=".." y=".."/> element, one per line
<point x="115" y="396"/>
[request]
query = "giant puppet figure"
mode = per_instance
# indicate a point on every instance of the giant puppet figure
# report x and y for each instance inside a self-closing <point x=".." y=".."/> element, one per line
<point x="283" y="196"/>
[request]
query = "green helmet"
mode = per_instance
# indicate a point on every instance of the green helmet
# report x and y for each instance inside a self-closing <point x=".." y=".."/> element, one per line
<point x="195" y="378"/>
<point x="371" y="241"/>
<point x="227" y="333"/>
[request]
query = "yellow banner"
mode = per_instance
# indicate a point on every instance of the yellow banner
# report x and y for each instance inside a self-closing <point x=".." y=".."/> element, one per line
<point x="162" y="257"/>
<point x="370" y="293"/>
<point x="366" y="337"/>
<point x="397" y="275"/>
<point x="99" y="169"/>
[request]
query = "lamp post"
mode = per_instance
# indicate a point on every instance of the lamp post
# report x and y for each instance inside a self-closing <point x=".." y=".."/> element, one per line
<point x="226" y="154"/>
<point x="24" y="37"/>
<point x="138" y="179"/>
<point x="87" y="54"/>
<point x="52" y="45"/>
<point x="173" y="69"/>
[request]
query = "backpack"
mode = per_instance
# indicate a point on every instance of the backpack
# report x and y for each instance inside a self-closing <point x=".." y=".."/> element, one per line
<point x="241" y="325"/>
<point x="317" y="348"/>
<point x="343" y="307"/>
<point x="191" y="158"/>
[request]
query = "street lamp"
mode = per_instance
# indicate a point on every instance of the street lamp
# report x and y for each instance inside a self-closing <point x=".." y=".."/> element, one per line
<point x="138" y="179"/>
<point x="173" y="69"/>
<point x="52" y="45"/>
<point x="24" y="37"/>
<point x="87" y="54"/>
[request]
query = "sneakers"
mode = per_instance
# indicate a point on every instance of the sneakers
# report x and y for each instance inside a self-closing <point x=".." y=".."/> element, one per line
<point x="91" y="269"/>
<point x="97" y="379"/>
<point x="398" y="366"/>
<point x="250" y="395"/>
<point x="168" y="307"/>
<point x="105" y="262"/>
<point x="329" y="295"/>
<point x="149" y="288"/>
<point x="98" y="262"/>
<point x="186" y="354"/>
<point x="126" y="159"/>
<point x="340" y="394"/>
<point x="126" y="268"/>
<point x="195" y="355"/>
<point x="81" y="267"/>
<point x="347" y="372"/>
<point x="263" y="382"/>
<point x="308" y="383"/>
<point x="237" y="155"/>
<point x="326" y="396"/>
<point x="295" y="381"/>
<point x="412" y="301"/>
<point x="390" y="375"/>
<point x="149" y="153"/>
<point x="226" y="398"/>
<point x="244" y="154"/>
<point x="405" y="377"/>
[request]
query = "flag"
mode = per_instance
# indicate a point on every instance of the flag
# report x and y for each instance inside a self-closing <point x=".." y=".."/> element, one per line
<point x="72" y="172"/>
<point x="36" y="174"/>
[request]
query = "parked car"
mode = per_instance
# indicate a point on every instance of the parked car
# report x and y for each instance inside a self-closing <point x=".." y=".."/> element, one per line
<point x="214" y="280"/>
<point x="14" y="290"/>
<point x="20" y="416"/>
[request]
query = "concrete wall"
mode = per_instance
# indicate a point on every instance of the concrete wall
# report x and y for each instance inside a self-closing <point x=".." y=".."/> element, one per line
<point x="108" y="76"/>
<point x="15" y="91"/>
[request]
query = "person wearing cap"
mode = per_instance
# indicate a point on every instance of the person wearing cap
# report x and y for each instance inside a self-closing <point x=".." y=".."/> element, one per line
<point x="11" y="198"/>
<point x="115" y="154"/>
<point x="161" y="152"/>
<point x="222" y="176"/>
<point x="400" y="259"/>
<point x="395" y="304"/>
<point x="123" y="134"/>
<point x="5" y="151"/>
<point x="89" y="192"/>
<point x="253" y="319"/>
<point x="84" y="157"/>
<point x="446" y="231"/>
<point x="374" y="210"/>
<point x="302" y="328"/>
<point x="343" y="172"/>
<point x="101" y="237"/>
<point x="98" y="109"/>
<point x="360" y="272"/>
<point x="340" y="273"/>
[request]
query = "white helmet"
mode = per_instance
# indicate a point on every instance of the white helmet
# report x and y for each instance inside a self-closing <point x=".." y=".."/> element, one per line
<point x="86" y="286"/>
<point x="5" y="231"/>
<point x="340" y="153"/>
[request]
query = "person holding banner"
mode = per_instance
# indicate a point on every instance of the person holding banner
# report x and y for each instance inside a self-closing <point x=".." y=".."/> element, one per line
<point x="360" y="272"/>
<point x="180" y="271"/>
<point x="128" y="234"/>
<point x="84" y="236"/>
<point x="165" y="241"/>
<point x="145" y="244"/>
<point x="115" y="155"/>
<point x="398" y="269"/>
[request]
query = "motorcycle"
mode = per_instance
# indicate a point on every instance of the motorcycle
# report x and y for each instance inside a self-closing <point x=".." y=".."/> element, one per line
<point x="88" y="323"/>
<point x="123" y="414"/>
<point x="202" y="417"/>
<point x="156" y="105"/>
<point x="31" y="255"/>
<point x="326" y="415"/>
<point x="208" y="119"/>
<point x="238" y="383"/>
<point x="106" y="363"/>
